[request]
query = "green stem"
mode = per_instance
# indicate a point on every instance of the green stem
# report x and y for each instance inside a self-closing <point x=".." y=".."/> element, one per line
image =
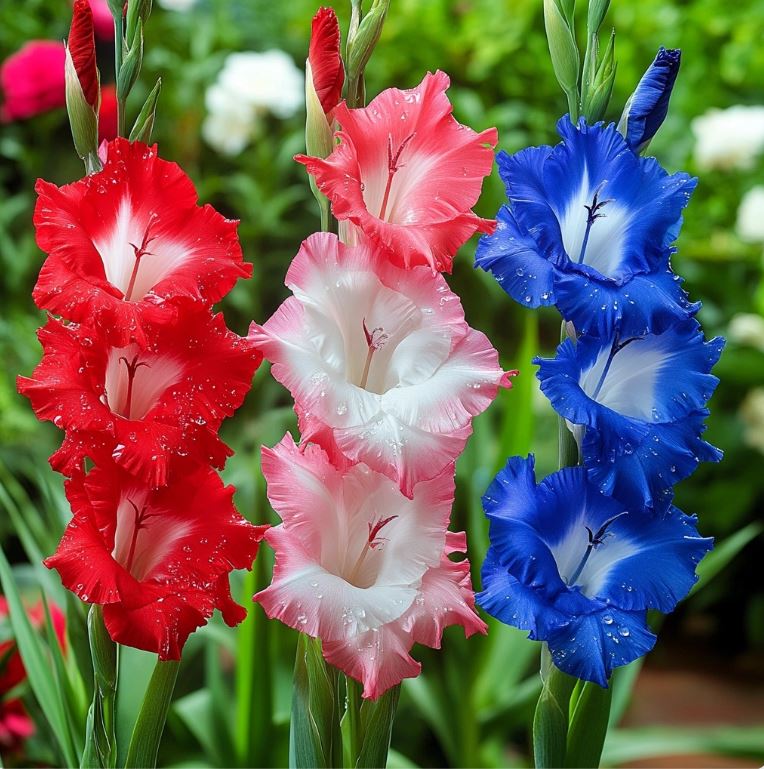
<point x="550" y="721"/>
<point x="101" y="740"/>
<point x="147" y="733"/>
<point x="353" y="714"/>
<point x="119" y="36"/>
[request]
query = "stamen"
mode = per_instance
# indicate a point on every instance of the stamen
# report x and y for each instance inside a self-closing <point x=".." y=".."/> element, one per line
<point x="138" y="524"/>
<point x="375" y="339"/>
<point x="373" y="542"/>
<point x="592" y="216"/>
<point x="132" y="368"/>
<point x="595" y="540"/>
<point x="393" y="165"/>
<point x="140" y="252"/>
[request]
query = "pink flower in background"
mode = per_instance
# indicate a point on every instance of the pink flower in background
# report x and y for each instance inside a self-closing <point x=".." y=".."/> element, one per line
<point x="32" y="80"/>
<point x="362" y="567"/>
<point x="379" y="359"/>
<point x="107" y="114"/>
<point x="103" y="21"/>
<point x="407" y="174"/>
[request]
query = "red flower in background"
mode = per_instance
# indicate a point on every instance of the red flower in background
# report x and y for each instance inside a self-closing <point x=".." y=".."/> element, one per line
<point x="157" y="560"/>
<point x="324" y="59"/>
<point x="121" y="240"/>
<point x="15" y="726"/>
<point x="107" y="114"/>
<point x="32" y="80"/>
<point x="407" y="174"/>
<point x="146" y="407"/>
<point x="103" y="21"/>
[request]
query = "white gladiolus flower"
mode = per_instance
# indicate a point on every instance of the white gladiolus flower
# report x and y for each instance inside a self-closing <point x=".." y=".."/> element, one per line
<point x="248" y="85"/>
<point x="747" y="328"/>
<point x="729" y="139"/>
<point x="750" y="216"/>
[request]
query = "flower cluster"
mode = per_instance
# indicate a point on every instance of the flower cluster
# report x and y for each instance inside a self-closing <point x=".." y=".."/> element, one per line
<point x="386" y="376"/>
<point x="140" y="374"/>
<point x="578" y="559"/>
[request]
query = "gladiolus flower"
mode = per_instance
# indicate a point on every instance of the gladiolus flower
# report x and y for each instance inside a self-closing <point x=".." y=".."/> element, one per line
<point x="407" y="174"/>
<point x="379" y="359"/>
<point x="121" y="240"/>
<point x="15" y="726"/>
<point x="361" y="567"/>
<point x="157" y="560"/>
<point x="324" y="59"/>
<point x="32" y="80"/>
<point x="145" y="407"/>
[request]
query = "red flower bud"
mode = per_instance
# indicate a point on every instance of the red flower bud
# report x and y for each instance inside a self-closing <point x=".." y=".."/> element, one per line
<point x="81" y="46"/>
<point x="325" y="60"/>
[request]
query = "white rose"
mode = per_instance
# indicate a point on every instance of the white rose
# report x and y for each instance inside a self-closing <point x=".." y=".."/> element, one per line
<point x="750" y="216"/>
<point x="730" y="138"/>
<point x="230" y="122"/>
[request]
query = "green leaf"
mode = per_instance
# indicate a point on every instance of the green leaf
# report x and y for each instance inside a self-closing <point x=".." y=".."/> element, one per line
<point x="723" y="553"/>
<point x="588" y="725"/>
<point x="377" y="718"/>
<point x="37" y="665"/>
<point x="315" y="739"/>
<point x="144" y="123"/>
<point x="550" y="721"/>
<point x="147" y="734"/>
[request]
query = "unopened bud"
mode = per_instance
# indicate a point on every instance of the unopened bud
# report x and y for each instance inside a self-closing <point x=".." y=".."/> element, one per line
<point x="562" y="48"/>
<point x="325" y="69"/>
<point x="144" y="123"/>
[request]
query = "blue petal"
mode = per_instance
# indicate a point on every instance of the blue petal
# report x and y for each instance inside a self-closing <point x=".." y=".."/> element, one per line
<point x="661" y="570"/>
<point x="648" y="105"/>
<point x="513" y="258"/>
<point x="513" y="603"/>
<point x="644" y="475"/>
<point x="647" y="303"/>
<point x="549" y="191"/>
<point x="592" y="645"/>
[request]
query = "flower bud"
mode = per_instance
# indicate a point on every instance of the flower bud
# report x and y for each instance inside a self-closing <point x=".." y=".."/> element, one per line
<point x="131" y="64"/>
<point x="647" y="107"/>
<point x="82" y="85"/>
<point x="144" y="123"/>
<point x="361" y="42"/>
<point x="598" y="93"/>
<point x="562" y="48"/>
<point x="325" y="69"/>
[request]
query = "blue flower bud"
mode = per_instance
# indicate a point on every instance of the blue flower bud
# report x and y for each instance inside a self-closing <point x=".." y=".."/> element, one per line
<point x="647" y="106"/>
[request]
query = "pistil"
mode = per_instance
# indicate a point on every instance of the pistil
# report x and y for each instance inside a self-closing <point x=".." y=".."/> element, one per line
<point x="593" y="214"/>
<point x="393" y="166"/>
<point x="375" y="339"/>
<point x="373" y="541"/>
<point x="132" y="368"/>
<point x="595" y="540"/>
<point x="139" y="523"/>
<point x="140" y="252"/>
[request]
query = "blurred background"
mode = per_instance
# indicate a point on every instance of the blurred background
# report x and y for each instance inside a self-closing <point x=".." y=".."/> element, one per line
<point x="231" y="114"/>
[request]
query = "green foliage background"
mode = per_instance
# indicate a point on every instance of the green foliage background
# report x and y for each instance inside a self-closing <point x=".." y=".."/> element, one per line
<point x="495" y="52"/>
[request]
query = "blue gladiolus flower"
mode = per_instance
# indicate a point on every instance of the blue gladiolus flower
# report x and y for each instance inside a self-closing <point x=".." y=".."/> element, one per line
<point x="578" y="569"/>
<point x="589" y="228"/>
<point x="648" y="105"/>
<point x="636" y="407"/>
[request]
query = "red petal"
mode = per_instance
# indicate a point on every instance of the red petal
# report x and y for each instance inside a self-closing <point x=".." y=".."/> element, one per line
<point x="325" y="60"/>
<point x="107" y="113"/>
<point x="81" y="46"/>
<point x="161" y="581"/>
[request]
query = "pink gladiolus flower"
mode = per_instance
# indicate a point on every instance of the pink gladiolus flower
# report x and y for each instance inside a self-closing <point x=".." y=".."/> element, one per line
<point x="361" y="567"/>
<point x="379" y="359"/>
<point x="407" y="174"/>
<point x="32" y="80"/>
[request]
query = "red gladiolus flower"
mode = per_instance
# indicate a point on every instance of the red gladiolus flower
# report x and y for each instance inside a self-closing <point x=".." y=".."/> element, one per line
<point x="32" y="80"/>
<point x="81" y="47"/>
<point x="15" y="726"/>
<point x="107" y="114"/>
<point x="157" y="560"/>
<point x="146" y="407"/>
<point x="325" y="60"/>
<point x="121" y="240"/>
<point x="407" y="174"/>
